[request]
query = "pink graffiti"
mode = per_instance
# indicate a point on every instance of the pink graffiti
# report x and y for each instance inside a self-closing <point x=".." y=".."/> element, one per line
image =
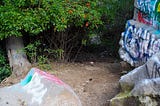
<point x="49" y="77"/>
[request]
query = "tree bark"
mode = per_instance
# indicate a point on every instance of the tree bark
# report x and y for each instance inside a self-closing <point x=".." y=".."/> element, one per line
<point x="17" y="58"/>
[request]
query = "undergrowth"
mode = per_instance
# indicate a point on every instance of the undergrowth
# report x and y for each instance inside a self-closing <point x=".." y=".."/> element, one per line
<point x="4" y="66"/>
<point x="36" y="55"/>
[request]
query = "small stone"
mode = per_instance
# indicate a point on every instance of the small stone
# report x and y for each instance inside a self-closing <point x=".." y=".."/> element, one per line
<point x="91" y="63"/>
<point x="90" y="79"/>
<point x="124" y="72"/>
<point x="87" y="81"/>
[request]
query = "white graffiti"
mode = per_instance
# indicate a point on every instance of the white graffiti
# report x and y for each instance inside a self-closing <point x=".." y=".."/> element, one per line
<point x="138" y="43"/>
<point x="148" y="12"/>
<point x="147" y="5"/>
<point x="36" y="88"/>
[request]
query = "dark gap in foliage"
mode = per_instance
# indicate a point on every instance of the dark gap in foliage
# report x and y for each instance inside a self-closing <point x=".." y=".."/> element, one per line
<point x="4" y="63"/>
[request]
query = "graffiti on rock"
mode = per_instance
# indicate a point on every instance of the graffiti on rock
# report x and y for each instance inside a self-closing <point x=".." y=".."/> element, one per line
<point x="36" y="88"/>
<point x="144" y="18"/>
<point x="156" y="71"/>
<point x="50" y="77"/>
<point x="139" y="44"/>
<point x="153" y="69"/>
<point x="148" y="19"/>
<point x="148" y="12"/>
<point x="33" y="84"/>
<point x="147" y="6"/>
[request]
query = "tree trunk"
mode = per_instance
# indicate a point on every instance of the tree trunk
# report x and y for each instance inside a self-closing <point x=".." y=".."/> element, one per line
<point x="17" y="58"/>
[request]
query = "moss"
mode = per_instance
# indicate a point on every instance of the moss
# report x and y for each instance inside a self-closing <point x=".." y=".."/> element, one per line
<point x="148" y="101"/>
<point x="123" y="94"/>
<point x="125" y="87"/>
<point x="124" y="99"/>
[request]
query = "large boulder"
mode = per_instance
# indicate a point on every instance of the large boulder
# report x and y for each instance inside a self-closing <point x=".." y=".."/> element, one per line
<point x="138" y="43"/>
<point x="147" y="71"/>
<point x="147" y="87"/>
<point x="126" y="99"/>
<point x="141" y="85"/>
<point x="39" y="89"/>
<point x="140" y="47"/>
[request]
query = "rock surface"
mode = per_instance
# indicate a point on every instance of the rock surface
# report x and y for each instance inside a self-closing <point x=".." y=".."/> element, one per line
<point x="140" y="44"/>
<point x="147" y="71"/>
<point x="141" y="84"/>
<point x="145" y="87"/>
<point x="39" y="89"/>
<point x="124" y="99"/>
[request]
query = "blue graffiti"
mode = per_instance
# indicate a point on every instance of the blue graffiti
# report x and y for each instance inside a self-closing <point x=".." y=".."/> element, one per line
<point x="147" y="6"/>
<point x="154" y="72"/>
<point x="139" y="43"/>
<point x="149" y="11"/>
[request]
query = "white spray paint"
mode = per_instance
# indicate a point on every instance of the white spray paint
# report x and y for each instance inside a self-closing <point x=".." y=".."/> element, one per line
<point x="138" y="43"/>
<point x="36" y="88"/>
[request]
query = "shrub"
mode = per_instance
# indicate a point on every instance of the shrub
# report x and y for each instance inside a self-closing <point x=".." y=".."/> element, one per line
<point x="35" y="52"/>
<point x="4" y="66"/>
<point x="66" y="20"/>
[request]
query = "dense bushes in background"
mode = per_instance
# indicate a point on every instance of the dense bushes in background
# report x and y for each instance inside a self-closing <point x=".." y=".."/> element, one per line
<point x="35" y="16"/>
<point x="114" y="23"/>
<point x="62" y="23"/>
<point x="65" y="25"/>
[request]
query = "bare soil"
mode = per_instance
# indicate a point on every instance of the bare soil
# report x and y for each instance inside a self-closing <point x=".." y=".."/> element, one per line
<point x="94" y="82"/>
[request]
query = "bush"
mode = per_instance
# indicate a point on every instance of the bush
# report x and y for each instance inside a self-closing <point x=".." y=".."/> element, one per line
<point x="4" y="66"/>
<point x="65" y="21"/>
<point x="114" y="22"/>
<point x="34" y="51"/>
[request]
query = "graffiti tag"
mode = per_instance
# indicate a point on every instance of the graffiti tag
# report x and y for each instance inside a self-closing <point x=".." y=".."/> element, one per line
<point x="36" y="88"/>
<point x="139" y="44"/>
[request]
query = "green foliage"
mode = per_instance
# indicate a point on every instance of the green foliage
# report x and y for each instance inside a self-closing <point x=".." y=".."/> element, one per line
<point x="114" y="20"/>
<point x="35" y="16"/>
<point x="61" y="18"/>
<point x="33" y="51"/>
<point x="117" y="12"/>
<point x="123" y="11"/>
<point x="43" y="63"/>
<point x="55" y="53"/>
<point x="4" y="67"/>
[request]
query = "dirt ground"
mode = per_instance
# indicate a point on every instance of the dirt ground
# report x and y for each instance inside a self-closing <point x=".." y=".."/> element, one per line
<point x="94" y="82"/>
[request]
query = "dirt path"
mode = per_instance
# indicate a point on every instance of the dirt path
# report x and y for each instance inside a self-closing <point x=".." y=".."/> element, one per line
<point x="95" y="84"/>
